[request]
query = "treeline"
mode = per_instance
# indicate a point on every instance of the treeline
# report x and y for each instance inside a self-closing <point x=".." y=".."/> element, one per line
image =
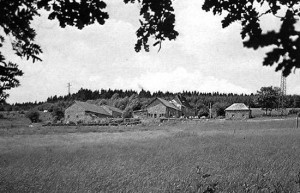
<point x="134" y="100"/>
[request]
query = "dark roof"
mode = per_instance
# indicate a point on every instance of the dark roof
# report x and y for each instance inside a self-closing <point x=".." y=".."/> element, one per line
<point x="92" y="108"/>
<point x="182" y="101"/>
<point x="110" y="108"/>
<point x="166" y="103"/>
<point x="237" y="107"/>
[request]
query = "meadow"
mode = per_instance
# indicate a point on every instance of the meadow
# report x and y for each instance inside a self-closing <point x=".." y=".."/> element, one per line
<point x="205" y="156"/>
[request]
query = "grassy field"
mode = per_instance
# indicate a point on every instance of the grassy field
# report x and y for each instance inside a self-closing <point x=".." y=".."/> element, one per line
<point x="225" y="156"/>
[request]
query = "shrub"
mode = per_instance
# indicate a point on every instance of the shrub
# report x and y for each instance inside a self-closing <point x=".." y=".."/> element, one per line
<point x="294" y="111"/>
<point x="33" y="115"/>
<point x="219" y="109"/>
<point x="204" y="111"/>
<point x="127" y="113"/>
<point x="57" y="113"/>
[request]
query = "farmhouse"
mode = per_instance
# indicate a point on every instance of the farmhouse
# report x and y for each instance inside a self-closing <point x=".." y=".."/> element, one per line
<point x="238" y="111"/>
<point x="85" y="113"/>
<point x="181" y="103"/>
<point x="162" y="108"/>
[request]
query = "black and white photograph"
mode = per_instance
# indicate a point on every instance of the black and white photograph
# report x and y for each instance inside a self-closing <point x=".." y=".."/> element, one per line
<point x="149" y="96"/>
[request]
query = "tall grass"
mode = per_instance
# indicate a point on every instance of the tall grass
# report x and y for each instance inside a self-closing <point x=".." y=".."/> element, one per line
<point x="182" y="162"/>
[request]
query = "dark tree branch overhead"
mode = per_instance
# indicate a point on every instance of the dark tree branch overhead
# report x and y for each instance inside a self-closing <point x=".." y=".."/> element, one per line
<point x="285" y="42"/>
<point x="157" y="22"/>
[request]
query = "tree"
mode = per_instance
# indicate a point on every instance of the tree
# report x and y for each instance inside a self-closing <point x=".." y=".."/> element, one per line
<point x="268" y="98"/>
<point x="218" y="109"/>
<point x="157" y="20"/>
<point x="58" y="113"/>
<point x="285" y="42"/>
<point x="15" y="21"/>
<point x="33" y="115"/>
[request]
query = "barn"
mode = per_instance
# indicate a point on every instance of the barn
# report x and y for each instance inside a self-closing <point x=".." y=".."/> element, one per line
<point x="238" y="111"/>
<point x="161" y="108"/>
<point x="186" y="109"/>
<point x="83" y="112"/>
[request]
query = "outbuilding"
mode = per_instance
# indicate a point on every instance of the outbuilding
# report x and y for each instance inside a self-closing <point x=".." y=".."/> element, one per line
<point x="238" y="111"/>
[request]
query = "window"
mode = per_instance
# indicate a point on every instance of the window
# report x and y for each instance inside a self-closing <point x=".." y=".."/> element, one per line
<point x="154" y="115"/>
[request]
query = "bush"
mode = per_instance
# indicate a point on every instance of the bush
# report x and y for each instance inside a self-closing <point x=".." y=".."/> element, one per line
<point x="33" y="115"/>
<point x="219" y="109"/>
<point x="204" y="111"/>
<point x="294" y="111"/>
<point x="57" y="113"/>
<point x="127" y="113"/>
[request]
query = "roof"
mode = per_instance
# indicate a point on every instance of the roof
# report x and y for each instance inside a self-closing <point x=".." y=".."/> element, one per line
<point x="237" y="107"/>
<point x="182" y="101"/>
<point x="166" y="103"/>
<point x="92" y="108"/>
<point x="110" y="108"/>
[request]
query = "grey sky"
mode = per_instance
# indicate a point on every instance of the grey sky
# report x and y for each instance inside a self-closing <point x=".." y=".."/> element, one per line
<point x="204" y="57"/>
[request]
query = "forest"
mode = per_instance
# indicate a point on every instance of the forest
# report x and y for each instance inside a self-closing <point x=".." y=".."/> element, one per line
<point x="133" y="100"/>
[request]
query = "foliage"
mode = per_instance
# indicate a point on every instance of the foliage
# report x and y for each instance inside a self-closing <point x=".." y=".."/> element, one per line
<point x="58" y="113"/>
<point x="267" y="98"/>
<point x="203" y="111"/>
<point x="294" y="112"/>
<point x="33" y="115"/>
<point x="218" y="109"/>
<point x="196" y="99"/>
<point x="157" y="20"/>
<point x="15" y="21"/>
<point x="285" y="42"/>
<point x="127" y="113"/>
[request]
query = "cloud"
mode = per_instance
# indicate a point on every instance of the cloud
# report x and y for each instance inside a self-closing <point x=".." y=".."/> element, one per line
<point x="179" y="79"/>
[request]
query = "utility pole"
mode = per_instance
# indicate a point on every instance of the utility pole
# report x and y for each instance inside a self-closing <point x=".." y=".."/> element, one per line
<point x="69" y="88"/>
<point x="282" y="92"/>
<point x="210" y="110"/>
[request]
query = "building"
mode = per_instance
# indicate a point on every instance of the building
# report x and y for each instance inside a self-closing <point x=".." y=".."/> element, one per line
<point x="238" y="111"/>
<point x="162" y="108"/>
<point x="181" y="103"/>
<point x="83" y="112"/>
<point x="113" y="111"/>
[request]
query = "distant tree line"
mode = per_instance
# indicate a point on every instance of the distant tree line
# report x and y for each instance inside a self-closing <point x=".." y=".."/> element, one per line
<point x="130" y="100"/>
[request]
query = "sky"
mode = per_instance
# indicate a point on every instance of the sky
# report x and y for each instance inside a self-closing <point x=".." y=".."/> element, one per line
<point x="205" y="57"/>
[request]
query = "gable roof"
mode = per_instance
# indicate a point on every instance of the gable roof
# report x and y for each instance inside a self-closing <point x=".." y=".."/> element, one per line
<point x="237" y="107"/>
<point x="182" y="101"/>
<point x="92" y="108"/>
<point x="165" y="103"/>
<point x="110" y="109"/>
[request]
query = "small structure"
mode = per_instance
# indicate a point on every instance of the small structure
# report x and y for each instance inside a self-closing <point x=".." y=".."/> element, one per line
<point x="113" y="111"/>
<point x="161" y="108"/>
<point x="238" y="111"/>
<point x="83" y="112"/>
<point x="181" y="103"/>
